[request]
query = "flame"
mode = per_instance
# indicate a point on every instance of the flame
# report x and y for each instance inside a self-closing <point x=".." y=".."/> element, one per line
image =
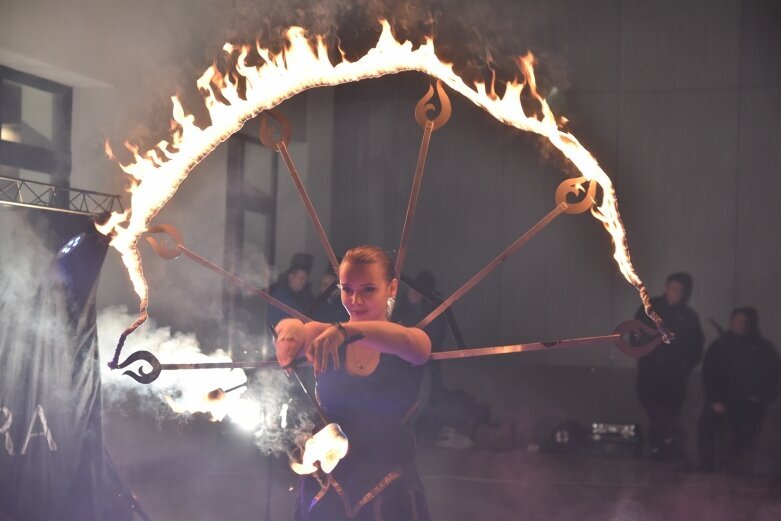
<point x="301" y="66"/>
<point x="245" y="413"/>
<point x="328" y="446"/>
<point x="113" y="222"/>
<point x="197" y="394"/>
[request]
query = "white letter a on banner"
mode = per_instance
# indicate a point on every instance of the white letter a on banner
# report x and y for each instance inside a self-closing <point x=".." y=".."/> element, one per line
<point x="45" y="432"/>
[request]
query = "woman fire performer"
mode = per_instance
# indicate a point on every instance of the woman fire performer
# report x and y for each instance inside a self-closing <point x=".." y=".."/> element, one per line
<point x="370" y="388"/>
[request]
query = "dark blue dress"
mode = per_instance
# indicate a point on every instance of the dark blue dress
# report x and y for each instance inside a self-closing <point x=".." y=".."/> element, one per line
<point x="377" y="480"/>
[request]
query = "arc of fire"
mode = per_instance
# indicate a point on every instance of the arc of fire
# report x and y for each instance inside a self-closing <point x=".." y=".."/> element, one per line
<point x="584" y="199"/>
<point x="158" y="172"/>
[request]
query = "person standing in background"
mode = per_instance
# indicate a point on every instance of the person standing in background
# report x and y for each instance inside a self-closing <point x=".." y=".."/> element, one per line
<point x="292" y="288"/>
<point x="740" y="375"/>
<point x="662" y="376"/>
<point x="328" y="308"/>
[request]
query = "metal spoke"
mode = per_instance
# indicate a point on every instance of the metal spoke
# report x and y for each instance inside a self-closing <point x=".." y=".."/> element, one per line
<point x="429" y="126"/>
<point x="280" y="145"/>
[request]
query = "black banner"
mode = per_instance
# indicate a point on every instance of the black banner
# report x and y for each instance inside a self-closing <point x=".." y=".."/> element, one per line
<point x="51" y="440"/>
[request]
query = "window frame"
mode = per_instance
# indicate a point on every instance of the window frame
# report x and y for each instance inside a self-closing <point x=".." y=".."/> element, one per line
<point x="54" y="162"/>
<point x="238" y="202"/>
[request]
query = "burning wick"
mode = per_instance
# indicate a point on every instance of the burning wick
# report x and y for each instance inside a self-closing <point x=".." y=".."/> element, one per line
<point x="218" y="394"/>
<point x="328" y="446"/>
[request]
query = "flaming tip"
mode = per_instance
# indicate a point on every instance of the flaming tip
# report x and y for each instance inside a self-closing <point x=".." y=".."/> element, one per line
<point x="216" y="395"/>
<point x="131" y="147"/>
<point x="107" y="149"/>
<point x="323" y="450"/>
<point x="203" y="82"/>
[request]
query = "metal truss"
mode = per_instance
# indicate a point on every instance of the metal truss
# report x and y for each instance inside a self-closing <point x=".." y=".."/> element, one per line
<point x="34" y="194"/>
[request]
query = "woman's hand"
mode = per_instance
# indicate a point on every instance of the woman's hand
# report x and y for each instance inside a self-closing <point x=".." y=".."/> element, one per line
<point x="325" y="345"/>
<point x="290" y="339"/>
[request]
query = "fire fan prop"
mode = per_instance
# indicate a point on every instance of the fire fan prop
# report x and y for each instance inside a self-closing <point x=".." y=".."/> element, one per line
<point x="304" y="64"/>
<point x="249" y="90"/>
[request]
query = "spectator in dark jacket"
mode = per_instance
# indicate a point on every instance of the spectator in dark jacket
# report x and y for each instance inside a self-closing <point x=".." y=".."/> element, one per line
<point x="292" y="288"/>
<point x="740" y="374"/>
<point x="662" y="376"/>
<point x="327" y="306"/>
<point x="413" y="307"/>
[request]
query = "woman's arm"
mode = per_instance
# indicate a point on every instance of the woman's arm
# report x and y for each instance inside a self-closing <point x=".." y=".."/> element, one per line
<point x="319" y="341"/>
<point x="293" y="337"/>
<point x="409" y="343"/>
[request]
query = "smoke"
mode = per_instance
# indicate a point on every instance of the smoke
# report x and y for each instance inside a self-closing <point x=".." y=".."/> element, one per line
<point x="479" y="38"/>
<point x="26" y="269"/>
<point x="255" y="268"/>
<point x="33" y="312"/>
<point x="265" y="406"/>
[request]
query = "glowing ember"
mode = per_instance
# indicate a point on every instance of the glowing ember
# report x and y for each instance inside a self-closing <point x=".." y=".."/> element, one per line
<point x="328" y="447"/>
<point x="216" y="395"/>
<point x="158" y="172"/>
<point x="218" y="404"/>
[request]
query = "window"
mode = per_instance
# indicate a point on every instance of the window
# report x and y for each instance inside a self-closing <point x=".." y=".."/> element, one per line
<point x="250" y="239"/>
<point x="35" y="130"/>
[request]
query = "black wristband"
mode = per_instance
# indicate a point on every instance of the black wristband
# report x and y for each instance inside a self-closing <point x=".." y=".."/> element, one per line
<point x="342" y="329"/>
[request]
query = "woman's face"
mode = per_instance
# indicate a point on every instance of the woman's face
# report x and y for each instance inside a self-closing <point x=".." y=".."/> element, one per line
<point x="365" y="291"/>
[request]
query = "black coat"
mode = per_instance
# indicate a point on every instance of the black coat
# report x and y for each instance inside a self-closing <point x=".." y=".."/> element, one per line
<point x="662" y="374"/>
<point x="282" y="292"/>
<point x="739" y="368"/>
<point x="330" y="310"/>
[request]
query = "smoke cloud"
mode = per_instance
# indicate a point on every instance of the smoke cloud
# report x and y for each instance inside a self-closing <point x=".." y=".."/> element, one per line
<point x="33" y="312"/>
<point x="265" y="406"/>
